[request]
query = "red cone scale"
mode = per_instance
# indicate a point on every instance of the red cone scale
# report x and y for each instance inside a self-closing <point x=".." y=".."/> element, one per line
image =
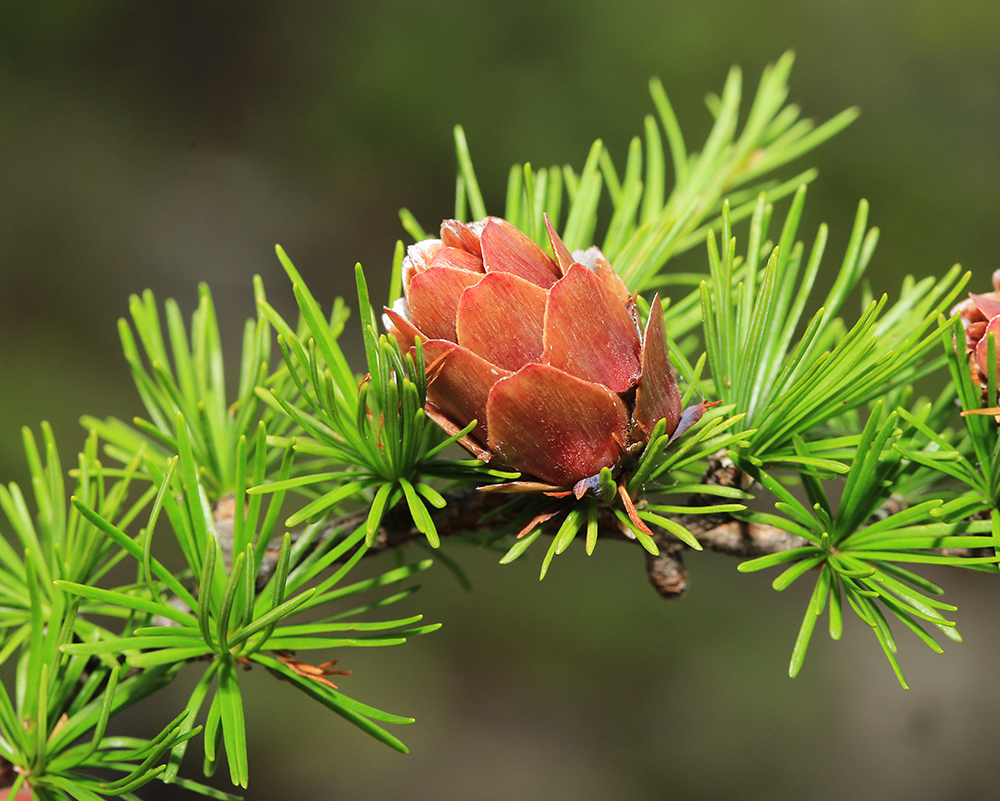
<point x="546" y="354"/>
<point x="980" y="316"/>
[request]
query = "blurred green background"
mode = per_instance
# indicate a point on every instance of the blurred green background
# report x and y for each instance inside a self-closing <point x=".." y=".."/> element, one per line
<point x="158" y="144"/>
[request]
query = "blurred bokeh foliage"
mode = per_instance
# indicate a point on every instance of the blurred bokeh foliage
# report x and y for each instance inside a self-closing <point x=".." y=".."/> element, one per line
<point x="160" y="143"/>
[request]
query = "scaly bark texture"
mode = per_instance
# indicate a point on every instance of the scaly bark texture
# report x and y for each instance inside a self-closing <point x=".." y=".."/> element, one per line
<point x="466" y="509"/>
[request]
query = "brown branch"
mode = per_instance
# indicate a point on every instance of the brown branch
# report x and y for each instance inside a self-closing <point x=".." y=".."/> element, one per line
<point x="466" y="509"/>
<point x="469" y="510"/>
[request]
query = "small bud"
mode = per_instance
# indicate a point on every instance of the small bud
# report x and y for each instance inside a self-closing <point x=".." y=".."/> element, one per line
<point x="980" y="317"/>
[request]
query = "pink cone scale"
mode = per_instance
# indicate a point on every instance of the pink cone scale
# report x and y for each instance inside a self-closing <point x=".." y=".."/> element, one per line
<point x="980" y="316"/>
<point x="545" y="354"/>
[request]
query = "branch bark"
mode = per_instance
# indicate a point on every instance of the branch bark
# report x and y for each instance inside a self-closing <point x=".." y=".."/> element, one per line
<point x="466" y="509"/>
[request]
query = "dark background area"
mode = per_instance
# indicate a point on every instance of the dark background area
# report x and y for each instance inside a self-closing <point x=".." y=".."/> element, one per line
<point x="158" y="144"/>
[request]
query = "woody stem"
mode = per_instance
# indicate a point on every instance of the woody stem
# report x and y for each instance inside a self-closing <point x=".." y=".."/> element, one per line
<point x="466" y="509"/>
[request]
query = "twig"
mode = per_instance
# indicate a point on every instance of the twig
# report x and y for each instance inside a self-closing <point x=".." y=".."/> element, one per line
<point x="466" y="509"/>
